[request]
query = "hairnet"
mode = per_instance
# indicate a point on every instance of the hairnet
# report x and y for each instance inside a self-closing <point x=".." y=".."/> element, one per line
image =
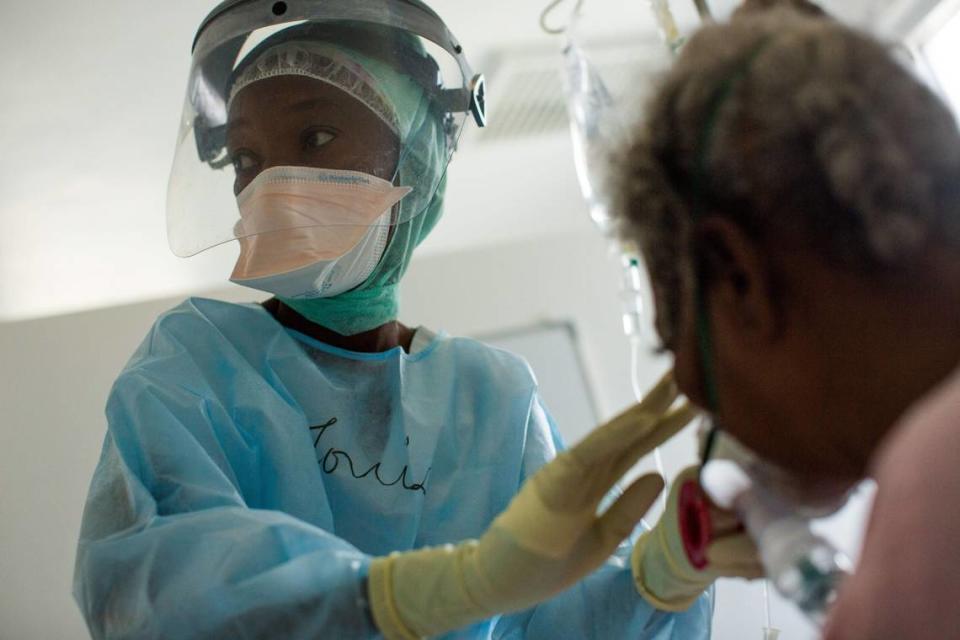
<point x="325" y="63"/>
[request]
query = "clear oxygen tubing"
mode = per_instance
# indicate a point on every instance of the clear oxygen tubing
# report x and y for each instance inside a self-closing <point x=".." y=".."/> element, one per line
<point x="631" y="298"/>
<point x="769" y="631"/>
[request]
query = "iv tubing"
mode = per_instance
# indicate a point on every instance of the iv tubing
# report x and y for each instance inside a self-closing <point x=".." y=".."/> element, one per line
<point x="766" y="602"/>
<point x="638" y="393"/>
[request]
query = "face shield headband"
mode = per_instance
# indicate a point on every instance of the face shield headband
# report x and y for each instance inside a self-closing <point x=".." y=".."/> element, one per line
<point x="223" y="34"/>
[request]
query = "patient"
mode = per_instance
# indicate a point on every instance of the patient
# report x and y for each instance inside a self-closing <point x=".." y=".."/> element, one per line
<point x="795" y="192"/>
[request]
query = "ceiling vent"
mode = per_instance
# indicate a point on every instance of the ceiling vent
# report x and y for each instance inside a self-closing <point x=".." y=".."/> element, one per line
<point x="526" y="96"/>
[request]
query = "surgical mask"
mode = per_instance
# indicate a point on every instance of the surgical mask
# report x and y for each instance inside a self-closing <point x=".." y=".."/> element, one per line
<point x="309" y="233"/>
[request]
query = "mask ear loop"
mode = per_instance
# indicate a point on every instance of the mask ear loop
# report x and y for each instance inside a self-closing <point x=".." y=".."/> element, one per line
<point x="701" y="180"/>
<point x="705" y="342"/>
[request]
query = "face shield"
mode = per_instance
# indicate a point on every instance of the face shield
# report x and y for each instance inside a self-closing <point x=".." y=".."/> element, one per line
<point x="315" y="120"/>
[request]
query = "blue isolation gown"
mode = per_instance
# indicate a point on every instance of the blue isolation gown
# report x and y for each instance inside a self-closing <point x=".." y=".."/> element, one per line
<point x="249" y="474"/>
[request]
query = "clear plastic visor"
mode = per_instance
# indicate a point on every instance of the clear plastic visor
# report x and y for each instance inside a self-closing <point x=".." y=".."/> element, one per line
<point x="346" y="120"/>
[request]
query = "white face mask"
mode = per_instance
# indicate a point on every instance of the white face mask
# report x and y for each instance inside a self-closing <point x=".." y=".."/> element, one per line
<point x="312" y="233"/>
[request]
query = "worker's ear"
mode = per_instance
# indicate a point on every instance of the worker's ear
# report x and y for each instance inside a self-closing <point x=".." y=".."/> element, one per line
<point x="738" y="282"/>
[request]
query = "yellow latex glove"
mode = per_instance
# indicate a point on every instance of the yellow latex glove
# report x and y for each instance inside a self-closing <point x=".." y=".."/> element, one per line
<point x="548" y="539"/>
<point x="663" y="573"/>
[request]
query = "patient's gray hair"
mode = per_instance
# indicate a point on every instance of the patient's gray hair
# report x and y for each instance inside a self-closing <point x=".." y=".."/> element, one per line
<point x="797" y="128"/>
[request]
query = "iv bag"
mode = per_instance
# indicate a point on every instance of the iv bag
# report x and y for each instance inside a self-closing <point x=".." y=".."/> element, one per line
<point x="613" y="53"/>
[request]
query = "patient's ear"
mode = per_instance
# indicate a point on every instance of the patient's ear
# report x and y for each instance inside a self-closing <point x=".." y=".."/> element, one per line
<point x="734" y="275"/>
<point x="738" y="281"/>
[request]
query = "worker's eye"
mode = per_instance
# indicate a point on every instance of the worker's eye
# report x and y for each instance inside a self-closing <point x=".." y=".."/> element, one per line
<point x="244" y="161"/>
<point x="317" y="138"/>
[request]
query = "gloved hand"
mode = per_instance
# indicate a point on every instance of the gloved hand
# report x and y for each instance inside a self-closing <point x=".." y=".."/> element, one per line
<point x="547" y="540"/>
<point x="664" y="574"/>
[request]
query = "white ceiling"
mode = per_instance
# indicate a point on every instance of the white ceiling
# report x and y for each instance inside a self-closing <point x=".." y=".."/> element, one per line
<point x="89" y="105"/>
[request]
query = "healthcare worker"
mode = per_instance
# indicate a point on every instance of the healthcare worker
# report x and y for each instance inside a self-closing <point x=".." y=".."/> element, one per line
<point x="310" y="467"/>
<point x="795" y="190"/>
